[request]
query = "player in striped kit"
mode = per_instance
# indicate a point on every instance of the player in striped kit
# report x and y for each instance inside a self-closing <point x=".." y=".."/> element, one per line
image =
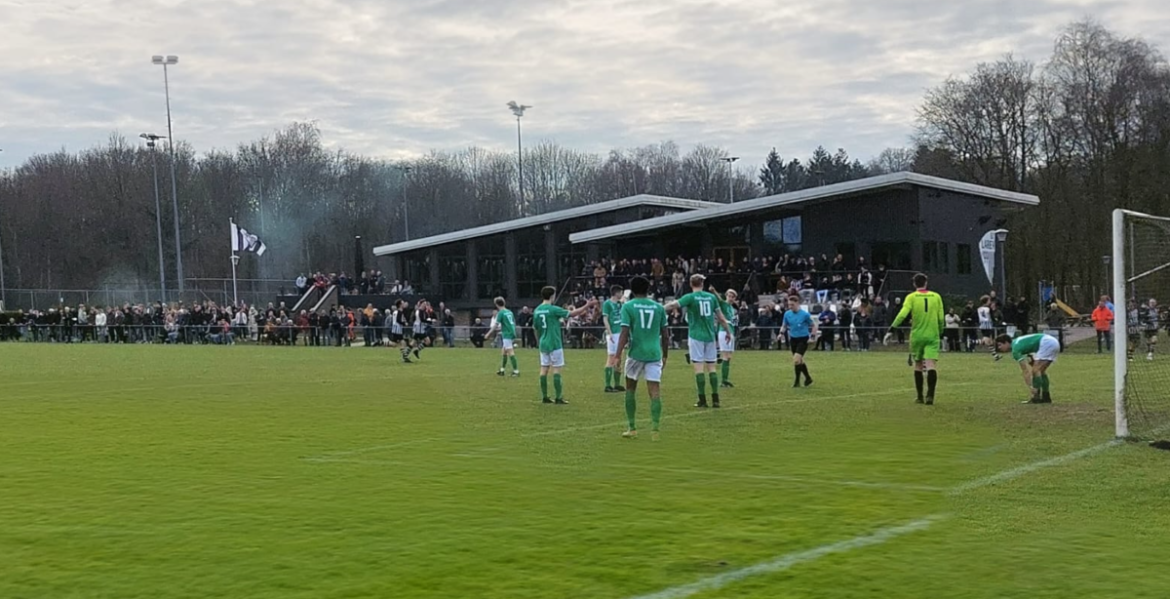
<point x="1150" y="323"/>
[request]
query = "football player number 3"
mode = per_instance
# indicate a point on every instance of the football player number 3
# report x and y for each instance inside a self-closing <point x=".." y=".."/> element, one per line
<point x="543" y="321"/>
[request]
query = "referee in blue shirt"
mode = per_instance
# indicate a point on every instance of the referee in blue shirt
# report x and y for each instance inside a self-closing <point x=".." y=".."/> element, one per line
<point x="800" y="327"/>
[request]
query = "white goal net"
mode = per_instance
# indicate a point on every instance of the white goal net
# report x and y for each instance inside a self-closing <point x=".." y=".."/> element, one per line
<point x="1141" y="294"/>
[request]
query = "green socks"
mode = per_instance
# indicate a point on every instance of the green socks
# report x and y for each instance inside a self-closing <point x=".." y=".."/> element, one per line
<point x="715" y="382"/>
<point x="701" y="383"/>
<point x="515" y="365"/>
<point x="557" y="386"/>
<point x="504" y="362"/>
<point x="1044" y="383"/>
<point x="544" y="386"/>
<point x="609" y="376"/>
<point x="726" y="370"/>
<point x="631" y="408"/>
<point x="655" y="410"/>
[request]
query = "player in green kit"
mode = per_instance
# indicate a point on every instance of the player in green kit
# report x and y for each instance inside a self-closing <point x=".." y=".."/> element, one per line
<point x="505" y="325"/>
<point x="701" y="308"/>
<point x="925" y="308"/>
<point x="546" y="319"/>
<point x="1044" y="349"/>
<point x="727" y="339"/>
<point x="611" y="316"/>
<point x="644" y="332"/>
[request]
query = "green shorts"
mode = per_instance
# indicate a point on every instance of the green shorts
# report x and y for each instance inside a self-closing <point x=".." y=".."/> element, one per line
<point x="927" y="349"/>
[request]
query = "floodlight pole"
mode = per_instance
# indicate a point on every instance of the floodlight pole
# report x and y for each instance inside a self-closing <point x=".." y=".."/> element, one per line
<point x="518" y="110"/>
<point x="730" y="178"/>
<point x="162" y="277"/>
<point x="165" y="62"/>
<point x="405" y="207"/>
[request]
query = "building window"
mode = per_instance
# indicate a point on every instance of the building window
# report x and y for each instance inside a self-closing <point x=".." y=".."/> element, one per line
<point x="936" y="257"/>
<point x="783" y="235"/>
<point x="963" y="259"/>
<point x="894" y="255"/>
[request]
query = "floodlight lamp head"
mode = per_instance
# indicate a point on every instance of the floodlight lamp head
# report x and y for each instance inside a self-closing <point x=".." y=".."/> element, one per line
<point x="518" y="109"/>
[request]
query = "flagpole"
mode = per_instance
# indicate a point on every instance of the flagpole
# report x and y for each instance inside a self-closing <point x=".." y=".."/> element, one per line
<point x="235" y="260"/>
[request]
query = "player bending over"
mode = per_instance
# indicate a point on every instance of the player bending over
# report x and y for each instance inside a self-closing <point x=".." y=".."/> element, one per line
<point x="505" y="324"/>
<point x="800" y="327"/>
<point x="547" y="320"/>
<point x="727" y="337"/>
<point x="644" y="333"/>
<point x="702" y="315"/>
<point x="928" y="318"/>
<point x="1044" y="349"/>
<point x="611" y="316"/>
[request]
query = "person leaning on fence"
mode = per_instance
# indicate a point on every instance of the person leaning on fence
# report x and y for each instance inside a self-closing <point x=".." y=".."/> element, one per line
<point x="1102" y="322"/>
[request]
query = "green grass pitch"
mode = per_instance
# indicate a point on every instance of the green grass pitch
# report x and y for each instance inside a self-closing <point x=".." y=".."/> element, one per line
<point x="243" y="472"/>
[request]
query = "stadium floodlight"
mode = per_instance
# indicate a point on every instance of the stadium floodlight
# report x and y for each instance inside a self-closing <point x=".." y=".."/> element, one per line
<point x="166" y="61"/>
<point x="518" y="110"/>
<point x="730" y="160"/>
<point x="151" y="140"/>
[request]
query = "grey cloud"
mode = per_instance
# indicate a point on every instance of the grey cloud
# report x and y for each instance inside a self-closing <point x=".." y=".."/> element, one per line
<point x="401" y="78"/>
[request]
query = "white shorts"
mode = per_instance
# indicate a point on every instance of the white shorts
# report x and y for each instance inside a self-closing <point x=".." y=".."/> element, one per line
<point x="1049" y="349"/>
<point x="507" y="343"/>
<point x="611" y="343"/>
<point x="726" y="342"/>
<point x="702" y="352"/>
<point x="556" y="359"/>
<point x="650" y="371"/>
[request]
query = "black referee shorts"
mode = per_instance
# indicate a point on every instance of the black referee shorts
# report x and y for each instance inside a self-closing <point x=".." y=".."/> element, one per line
<point x="799" y="345"/>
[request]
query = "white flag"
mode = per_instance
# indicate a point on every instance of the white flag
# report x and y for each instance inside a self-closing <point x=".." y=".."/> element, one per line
<point x="987" y="248"/>
<point x="243" y="241"/>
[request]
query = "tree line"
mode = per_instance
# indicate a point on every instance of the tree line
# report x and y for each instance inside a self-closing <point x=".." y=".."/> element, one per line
<point x="1087" y="130"/>
<point x="87" y="220"/>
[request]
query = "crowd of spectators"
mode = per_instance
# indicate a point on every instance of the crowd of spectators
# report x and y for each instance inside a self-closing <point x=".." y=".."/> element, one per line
<point x="210" y="323"/>
<point x="370" y="282"/>
<point x="787" y="273"/>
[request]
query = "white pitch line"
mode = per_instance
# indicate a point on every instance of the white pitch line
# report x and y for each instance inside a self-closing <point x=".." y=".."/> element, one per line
<point x="1019" y="471"/>
<point x="781" y="402"/>
<point x="330" y="456"/>
<point x="788" y="478"/>
<point x="785" y="562"/>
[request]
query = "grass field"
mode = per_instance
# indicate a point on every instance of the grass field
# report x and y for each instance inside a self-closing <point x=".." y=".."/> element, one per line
<point x="195" y="472"/>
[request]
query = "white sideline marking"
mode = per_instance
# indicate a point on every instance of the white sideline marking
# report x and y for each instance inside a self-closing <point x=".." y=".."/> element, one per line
<point x="785" y="562"/>
<point x="789" y="478"/>
<point x="326" y="456"/>
<point x="332" y="455"/>
<point x="1014" y="473"/>
<point x="623" y="423"/>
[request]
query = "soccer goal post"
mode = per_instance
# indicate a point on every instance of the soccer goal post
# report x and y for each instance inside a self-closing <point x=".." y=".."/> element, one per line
<point x="1141" y="285"/>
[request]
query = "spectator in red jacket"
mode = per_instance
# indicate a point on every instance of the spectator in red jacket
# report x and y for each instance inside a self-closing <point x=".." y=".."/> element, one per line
<point x="1102" y="322"/>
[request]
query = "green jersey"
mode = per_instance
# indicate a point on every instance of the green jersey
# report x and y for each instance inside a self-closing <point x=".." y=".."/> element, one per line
<point x="700" y="310"/>
<point x="1025" y="346"/>
<point x="547" y="321"/>
<point x="645" y="319"/>
<point x="925" y="308"/>
<point x="730" y="313"/>
<point x="613" y="312"/>
<point x="507" y="323"/>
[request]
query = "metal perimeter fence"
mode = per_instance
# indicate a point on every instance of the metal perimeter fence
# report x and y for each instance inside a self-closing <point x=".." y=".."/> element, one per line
<point x="253" y="292"/>
<point x="579" y="337"/>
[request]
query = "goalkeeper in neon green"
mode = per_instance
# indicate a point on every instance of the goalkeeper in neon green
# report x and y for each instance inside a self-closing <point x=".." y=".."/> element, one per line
<point x="928" y="319"/>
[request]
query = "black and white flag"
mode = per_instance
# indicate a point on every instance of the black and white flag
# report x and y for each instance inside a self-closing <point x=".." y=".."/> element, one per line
<point x="243" y="241"/>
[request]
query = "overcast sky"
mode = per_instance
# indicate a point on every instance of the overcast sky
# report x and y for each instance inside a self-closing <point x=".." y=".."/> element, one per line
<point x="394" y="79"/>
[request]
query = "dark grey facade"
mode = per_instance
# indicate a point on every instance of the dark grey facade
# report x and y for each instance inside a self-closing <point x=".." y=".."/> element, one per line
<point x="514" y="260"/>
<point x="905" y="227"/>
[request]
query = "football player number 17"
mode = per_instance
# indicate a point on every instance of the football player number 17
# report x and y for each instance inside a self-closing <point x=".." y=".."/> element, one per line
<point x="646" y="317"/>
